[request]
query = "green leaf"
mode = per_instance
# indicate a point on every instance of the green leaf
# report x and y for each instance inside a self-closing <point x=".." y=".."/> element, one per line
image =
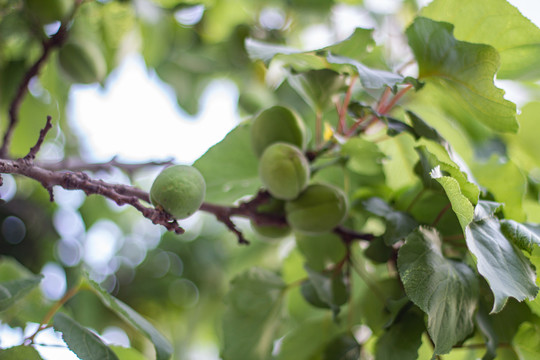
<point x="464" y="70"/>
<point x="486" y="209"/>
<point x="398" y="224"/>
<point x="508" y="272"/>
<point x="524" y="147"/>
<point x="330" y="288"/>
<point x="255" y="310"/>
<point x="525" y="236"/>
<point x="446" y="290"/>
<point x="82" y="341"/>
<point x="365" y="158"/>
<point x="378" y="251"/>
<point x="499" y="24"/>
<point x="20" y="353"/>
<point x="320" y="251"/>
<point x="429" y="161"/>
<point x="230" y="168"/>
<point x="370" y="78"/>
<point x="402" y="339"/>
<point x="318" y="87"/>
<point x="297" y="59"/>
<point x="308" y="340"/>
<point x="344" y="347"/>
<point x="309" y="293"/>
<point x="527" y="341"/>
<point x="485" y="325"/>
<point x="163" y="348"/>
<point x="461" y="205"/>
<point x="423" y="129"/>
<point x="355" y="46"/>
<point x="507" y="184"/>
<point x="14" y="290"/>
<point x="127" y="353"/>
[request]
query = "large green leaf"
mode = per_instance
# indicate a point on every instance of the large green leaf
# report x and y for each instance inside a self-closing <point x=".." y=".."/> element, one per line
<point x="255" y="310"/>
<point x="508" y="272"/>
<point x="163" y="348"/>
<point x="461" y="205"/>
<point x="330" y="288"/>
<point x="446" y="290"/>
<point x="82" y="341"/>
<point x="20" y="353"/>
<point x="402" y="339"/>
<point x="230" y="168"/>
<point x="14" y="290"/>
<point x="497" y="23"/>
<point x="524" y="147"/>
<point x="464" y="70"/>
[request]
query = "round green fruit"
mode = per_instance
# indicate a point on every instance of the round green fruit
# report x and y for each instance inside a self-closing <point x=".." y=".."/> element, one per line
<point x="318" y="209"/>
<point x="284" y="170"/>
<point x="48" y="11"/>
<point x="82" y="61"/>
<point x="179" y="190"/>
<point x="277" y="124"/>
<point x="275" y="208"/>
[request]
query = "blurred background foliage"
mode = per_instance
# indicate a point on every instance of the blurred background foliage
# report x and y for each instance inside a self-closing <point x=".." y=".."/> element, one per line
<point x="180" y="281"/>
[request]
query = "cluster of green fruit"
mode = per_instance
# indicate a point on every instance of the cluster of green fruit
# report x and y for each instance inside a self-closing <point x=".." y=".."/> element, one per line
<point x="279" y="139"/>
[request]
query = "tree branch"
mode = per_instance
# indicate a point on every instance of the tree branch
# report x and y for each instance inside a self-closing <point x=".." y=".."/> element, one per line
<point x="74" y="164"/>
<point x="55" y="41"/>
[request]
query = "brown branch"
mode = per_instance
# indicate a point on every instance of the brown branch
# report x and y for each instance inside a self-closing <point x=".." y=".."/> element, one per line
<point x="74" y="164"/>
<point x="55" y="41"/>
<point x="34" y="150"/>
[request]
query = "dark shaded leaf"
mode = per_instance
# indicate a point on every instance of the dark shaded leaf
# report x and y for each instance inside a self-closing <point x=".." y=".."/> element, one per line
<point x="82" y="341"/>
<point x="446" y="290"/>
<point x="344" y="347"/>
<point x="525" y="236"/>
<point x="402" y="339"/>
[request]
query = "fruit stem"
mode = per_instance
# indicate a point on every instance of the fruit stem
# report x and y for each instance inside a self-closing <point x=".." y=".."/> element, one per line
<point x="342" y="110"/>
<point x="52" y="311"/>
<point x="318" y="128"/>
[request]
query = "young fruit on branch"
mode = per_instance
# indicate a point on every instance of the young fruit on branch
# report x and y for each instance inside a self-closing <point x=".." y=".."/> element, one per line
<point x="179" y="190"/>
<point x="277" y="124"/>
<point x="318" y="209"/>
<point x="274" y="208"/>
<point x="82" y="61"/>
<point x="48" y="11"/>
<point x="284" y="170"/>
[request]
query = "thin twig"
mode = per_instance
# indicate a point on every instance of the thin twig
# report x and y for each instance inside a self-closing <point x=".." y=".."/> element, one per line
<point x="55" y="41"/>
<point x="34" y="150"/>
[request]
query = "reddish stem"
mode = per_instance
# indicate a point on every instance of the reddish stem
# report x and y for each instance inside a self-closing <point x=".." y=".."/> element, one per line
<point x="384" y="109"/>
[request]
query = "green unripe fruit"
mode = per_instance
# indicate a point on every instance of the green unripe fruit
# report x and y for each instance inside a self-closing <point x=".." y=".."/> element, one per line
<point x="318" y="209"/>
<point x="276" y="208"/>
<point x="82" y="61"/>
<point x="179" y="190"/>
<point x="284" y="170"/>
<point x="277" y="124"/>
<point x="48" y="11"/>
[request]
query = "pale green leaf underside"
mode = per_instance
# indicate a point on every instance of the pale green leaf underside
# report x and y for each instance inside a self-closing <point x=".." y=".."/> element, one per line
<point x="508" y="272"/>
<point x="82" y="341"/>
<point x="163" y="348"/>
<point x="444" y="289"/>
<point x="497" y="23"/>
<point x="465" y="71"/>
